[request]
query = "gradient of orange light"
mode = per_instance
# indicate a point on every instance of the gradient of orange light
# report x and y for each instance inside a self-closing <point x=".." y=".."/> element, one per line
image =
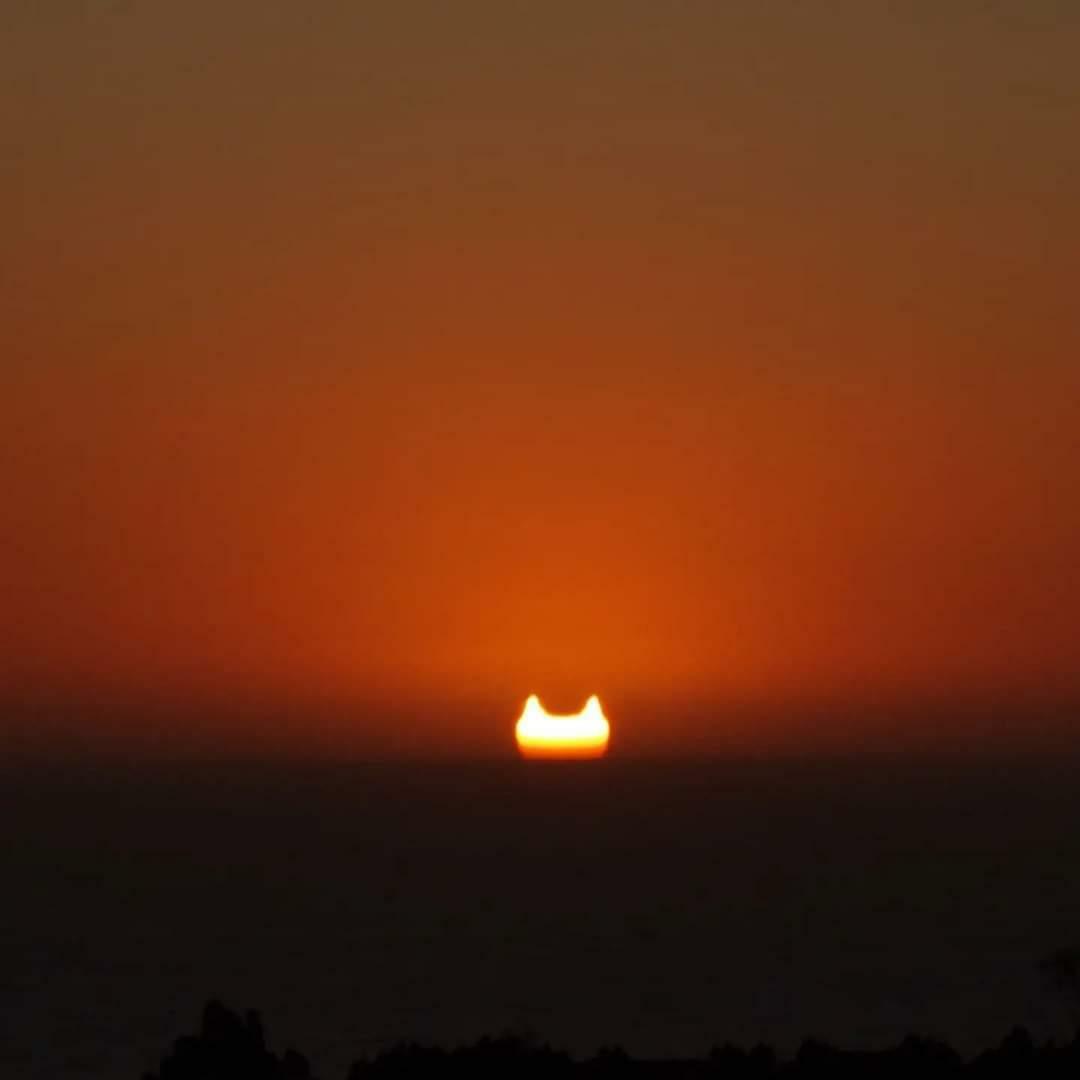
<point x="675" y="424"/>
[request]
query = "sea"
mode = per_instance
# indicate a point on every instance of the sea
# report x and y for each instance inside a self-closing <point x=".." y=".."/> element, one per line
<point x="665" y="906"/>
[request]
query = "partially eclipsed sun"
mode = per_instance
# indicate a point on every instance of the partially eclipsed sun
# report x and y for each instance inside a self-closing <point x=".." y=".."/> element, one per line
<point x="578" y="735"/>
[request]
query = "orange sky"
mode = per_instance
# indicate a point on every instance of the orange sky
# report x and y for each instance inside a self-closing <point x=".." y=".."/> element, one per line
<point x="693" y="354"/>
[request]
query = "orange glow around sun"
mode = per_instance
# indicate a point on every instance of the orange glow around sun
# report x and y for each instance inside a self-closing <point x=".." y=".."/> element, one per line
<point x="541" y="734"/>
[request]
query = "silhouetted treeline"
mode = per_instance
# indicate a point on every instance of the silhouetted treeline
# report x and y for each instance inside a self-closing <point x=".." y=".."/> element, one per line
<point x="232" y="1047"/>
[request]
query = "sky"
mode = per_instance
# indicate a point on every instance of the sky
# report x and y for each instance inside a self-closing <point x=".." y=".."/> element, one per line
<point x="404" y="359"/>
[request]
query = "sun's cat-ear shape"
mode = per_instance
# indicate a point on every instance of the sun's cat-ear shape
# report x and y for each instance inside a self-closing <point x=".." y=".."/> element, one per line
<point x="577" y="735"/>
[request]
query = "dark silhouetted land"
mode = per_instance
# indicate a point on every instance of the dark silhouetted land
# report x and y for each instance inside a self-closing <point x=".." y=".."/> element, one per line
<point x="233" y="1047"/>
<point x="663" y="906"/>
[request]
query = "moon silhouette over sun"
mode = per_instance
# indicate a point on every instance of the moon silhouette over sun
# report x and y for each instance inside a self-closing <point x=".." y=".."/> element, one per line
<point x="541" y="734"/>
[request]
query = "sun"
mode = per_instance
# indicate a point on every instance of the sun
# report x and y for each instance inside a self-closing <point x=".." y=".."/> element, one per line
<point x="541" y="734"/>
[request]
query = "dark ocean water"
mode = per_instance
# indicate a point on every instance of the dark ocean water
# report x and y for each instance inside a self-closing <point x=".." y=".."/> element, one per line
<point x="666" y="906"/>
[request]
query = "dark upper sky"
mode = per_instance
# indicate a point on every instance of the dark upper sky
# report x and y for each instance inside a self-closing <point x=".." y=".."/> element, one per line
<point x="687" y="352"/>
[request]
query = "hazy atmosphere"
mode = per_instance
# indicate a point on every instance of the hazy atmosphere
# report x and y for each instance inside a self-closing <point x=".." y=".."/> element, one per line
<point x="404" y="359"/>
<point x="532" y="523"/>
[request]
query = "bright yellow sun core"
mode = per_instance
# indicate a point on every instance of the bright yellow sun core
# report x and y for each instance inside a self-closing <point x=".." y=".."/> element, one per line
<point x="577" y="735"/>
